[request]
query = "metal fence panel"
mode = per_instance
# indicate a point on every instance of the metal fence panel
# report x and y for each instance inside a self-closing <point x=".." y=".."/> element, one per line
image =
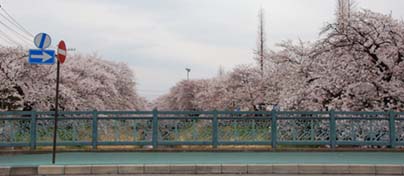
<point x="167" y="128"/>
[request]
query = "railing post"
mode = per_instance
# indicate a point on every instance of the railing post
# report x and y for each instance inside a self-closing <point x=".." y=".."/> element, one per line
<point x="215" y="126"/>
<point x="333" y="130"/>
<point x="155" y="129"/>
<point x="273" y="129"/>
<point x="94" y="129"/>
<point x="392" y="128"/>
<point x="33" y="130"/>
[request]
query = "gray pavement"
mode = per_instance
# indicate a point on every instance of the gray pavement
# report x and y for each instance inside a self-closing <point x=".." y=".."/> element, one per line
<point x="105" y="158"/>
<point x="238" y="175"/>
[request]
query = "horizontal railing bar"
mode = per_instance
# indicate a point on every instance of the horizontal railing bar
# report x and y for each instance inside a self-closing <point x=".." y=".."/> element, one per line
<point x="125" y="118"/>
<point x="303" y="118"/>
<point x="15" y="118"/>
<point x="302" y="112"/>
<point x="14" y="144"/>
<point x="89" y="118"/>
<point x="185" y="112"/>
<point x="63" y="112"/>
<point x="302" y="142"/>
<point x="184" y="118"/>
<point x="244" y="118"/>
<point x="221" y="118"/>
<point x="68" y="116"/>
<point x="74" y="112"/>
<point x="125" y="143"/>
<point x="244" y="115"/>
<point x="361" y="113"/>
<point x="184" y="142"/>
<point x="64" y="118"/>
<point x="65" y="143"/>
<point x="362" y="142"/>
<point x="244" y="142"/>
<point x="244" y="112"/>
<point x="15" y="112"/>
<point x="203" y="112"/>
<point x="124" y="112"/>
<point x="361" y="118"/>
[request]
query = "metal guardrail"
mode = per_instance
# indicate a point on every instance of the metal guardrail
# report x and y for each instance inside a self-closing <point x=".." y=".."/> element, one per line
<point x="166" y="128"/>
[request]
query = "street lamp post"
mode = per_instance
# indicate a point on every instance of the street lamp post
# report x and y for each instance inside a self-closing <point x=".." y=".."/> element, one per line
<point x="188" y="70"/>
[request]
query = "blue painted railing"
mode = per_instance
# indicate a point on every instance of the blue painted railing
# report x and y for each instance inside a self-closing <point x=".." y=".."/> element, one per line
<point x="215" y="128"/>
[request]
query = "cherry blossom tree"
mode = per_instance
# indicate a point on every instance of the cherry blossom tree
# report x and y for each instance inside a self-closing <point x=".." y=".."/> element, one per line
<point x="181" y="96"/>
<point x="364" y="63"/>
<point x="357" y="67"/>
<point x="88" y="83"/>
<point x="290" y="74"/>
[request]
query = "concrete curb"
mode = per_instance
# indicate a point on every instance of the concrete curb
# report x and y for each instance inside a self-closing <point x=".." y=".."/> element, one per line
<point x="131" y="169"/>
<point x="234" y="168"/>
<point x="156" y="169"/>
<point x="51" y="170"/>
<point x="5" y="170"/>
<point x="208" y="168"/>
<point x="259" y="168"/>
<point x="183" y="169"/>
<point x="388" y="169"/>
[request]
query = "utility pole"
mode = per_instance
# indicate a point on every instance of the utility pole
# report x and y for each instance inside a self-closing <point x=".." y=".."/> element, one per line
<point x="261" y="16"/>
<point x="260" y="52"/>
<point x="343" y="13"/>
<point x="188" y="70"/>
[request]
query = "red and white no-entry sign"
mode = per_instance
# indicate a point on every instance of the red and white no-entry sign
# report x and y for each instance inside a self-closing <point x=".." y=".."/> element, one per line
<point x="62" y="52"/>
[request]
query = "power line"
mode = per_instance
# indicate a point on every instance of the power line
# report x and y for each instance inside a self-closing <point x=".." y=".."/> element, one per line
<point x="14" y="33"/>
<point x="9" y="39"/>
<point x="18" y="25"/>
<point x="11" y="22"/>
<point x="19" y="34"/>
<point x="5" y="40"/>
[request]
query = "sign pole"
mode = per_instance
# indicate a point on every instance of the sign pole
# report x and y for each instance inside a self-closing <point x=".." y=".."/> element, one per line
<point x="56" y="113"/>
<point x="43" y="56"/>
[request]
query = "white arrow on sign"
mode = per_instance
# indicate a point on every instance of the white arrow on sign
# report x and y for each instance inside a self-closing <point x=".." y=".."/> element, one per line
<point x="44" y="56"/>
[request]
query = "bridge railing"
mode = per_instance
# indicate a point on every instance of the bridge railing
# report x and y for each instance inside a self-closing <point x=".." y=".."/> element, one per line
<point x="215" y="128"/>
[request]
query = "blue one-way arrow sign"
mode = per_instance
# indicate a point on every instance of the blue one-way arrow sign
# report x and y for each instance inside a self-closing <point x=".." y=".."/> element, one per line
<point x="38" y="56"/>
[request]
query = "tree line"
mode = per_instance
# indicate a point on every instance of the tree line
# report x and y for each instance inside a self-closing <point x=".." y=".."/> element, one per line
<point x="87" y="83"/>
<point x="355" y="65"/>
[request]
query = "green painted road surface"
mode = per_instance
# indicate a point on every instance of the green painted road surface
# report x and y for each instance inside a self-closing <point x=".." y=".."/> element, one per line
<point x="100" y="158"/>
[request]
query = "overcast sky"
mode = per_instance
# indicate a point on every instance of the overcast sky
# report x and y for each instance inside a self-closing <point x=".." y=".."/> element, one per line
<point x="160" y="38"/>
